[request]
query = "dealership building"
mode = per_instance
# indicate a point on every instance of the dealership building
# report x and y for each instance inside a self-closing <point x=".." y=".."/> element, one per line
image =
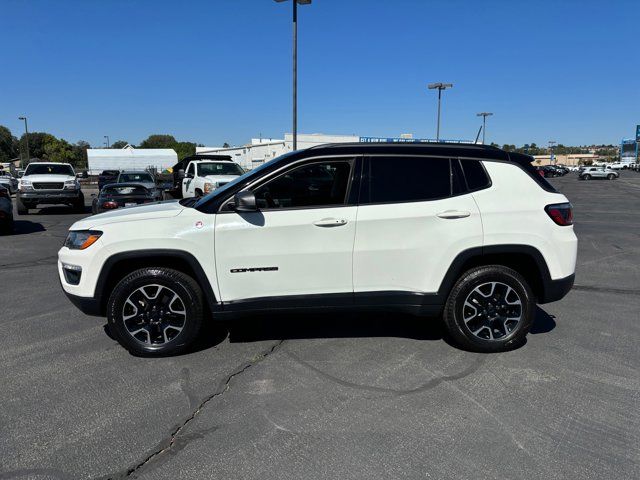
<point x="261" y="150"/>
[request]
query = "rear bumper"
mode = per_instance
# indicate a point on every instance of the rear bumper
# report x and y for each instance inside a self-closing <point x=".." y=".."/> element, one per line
<point x="554" y="290"/>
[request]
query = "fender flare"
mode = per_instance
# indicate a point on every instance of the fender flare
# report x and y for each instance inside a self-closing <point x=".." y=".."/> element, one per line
<point x="183" y="255"/>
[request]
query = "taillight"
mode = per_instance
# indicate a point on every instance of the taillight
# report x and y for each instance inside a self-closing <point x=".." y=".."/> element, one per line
<point x="561" y="213"/>
<point x="110" y="204"/>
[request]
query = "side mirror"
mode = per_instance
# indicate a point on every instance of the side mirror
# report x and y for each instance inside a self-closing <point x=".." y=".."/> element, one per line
<point x="181" y="173"/>
<point x="245" y="202"/>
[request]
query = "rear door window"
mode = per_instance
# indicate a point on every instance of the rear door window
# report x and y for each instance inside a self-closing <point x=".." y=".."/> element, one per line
<point x="475" y="174"/>
<point x="395" y="179"/>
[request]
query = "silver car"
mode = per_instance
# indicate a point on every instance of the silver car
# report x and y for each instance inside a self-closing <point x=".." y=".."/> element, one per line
<point x="9" y="182"/>
<point x="590" y="173"/>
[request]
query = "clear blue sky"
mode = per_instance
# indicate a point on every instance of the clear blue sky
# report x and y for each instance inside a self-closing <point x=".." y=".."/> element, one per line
<point x="219" y="70"/>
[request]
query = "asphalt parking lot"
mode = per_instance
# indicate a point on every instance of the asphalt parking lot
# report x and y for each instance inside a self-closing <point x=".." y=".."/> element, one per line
<point x="350" y="396"/>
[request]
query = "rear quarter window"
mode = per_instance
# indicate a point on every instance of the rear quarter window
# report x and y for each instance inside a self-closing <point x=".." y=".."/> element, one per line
<point x="475" y="174"/>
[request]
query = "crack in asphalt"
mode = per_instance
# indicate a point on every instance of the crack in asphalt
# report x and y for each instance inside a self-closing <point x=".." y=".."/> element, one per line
<point x="594" y="288"/>
<point x="50" y="260"/>
<point x="169" y="442"/>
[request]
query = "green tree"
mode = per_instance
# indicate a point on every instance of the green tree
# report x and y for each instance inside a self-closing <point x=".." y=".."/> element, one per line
<point x="119" y="144"/>
<point x="37" y="142"/>
<point x="158" y="141"/>
<point x="8" y="145"/>
<point x="184" y="149"/>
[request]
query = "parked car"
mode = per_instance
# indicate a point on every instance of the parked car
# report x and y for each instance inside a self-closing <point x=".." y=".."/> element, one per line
<point x="9" y="182"/>
<point x="120" y="195"/>
<point x="203" y="176"/>
<point x="470" y="232"/>
<point x="178" y="172"/>
<point x="48" y="183"/>
<point x="598" y="172"/>
<point x="107" y="176"/>
<point x="144" y="178"/>
<point x="6" y="211"/>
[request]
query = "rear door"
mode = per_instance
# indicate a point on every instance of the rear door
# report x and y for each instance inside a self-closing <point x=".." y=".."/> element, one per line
<point x="415" y="216"/>
<point x="299" y="243"/>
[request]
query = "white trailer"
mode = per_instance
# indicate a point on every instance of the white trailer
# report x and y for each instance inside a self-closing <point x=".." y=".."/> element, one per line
<point x="129" y="158"/>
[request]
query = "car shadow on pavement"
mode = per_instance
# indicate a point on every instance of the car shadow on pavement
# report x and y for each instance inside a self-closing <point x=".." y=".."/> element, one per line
<point x="543" y="323"/>
<point x="61" y="210"/>
<point x="338" y="325"/>
<point x="25" y="227"/>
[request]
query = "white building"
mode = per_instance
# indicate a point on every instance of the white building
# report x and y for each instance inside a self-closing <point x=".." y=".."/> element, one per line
<point x="262" y="150"/>
<point x="130" y="158"/>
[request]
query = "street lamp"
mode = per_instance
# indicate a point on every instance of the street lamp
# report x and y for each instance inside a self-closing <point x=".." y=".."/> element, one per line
<point x="106" y="137"/>
<point x="551" y="156"/>
<point x="295" y="67"/>
<point x="439" y="87"/>
<point x="26" y="137"/>
<point x="484" y="116"/>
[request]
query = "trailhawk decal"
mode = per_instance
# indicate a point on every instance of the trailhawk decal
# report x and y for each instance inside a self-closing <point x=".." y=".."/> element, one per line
<point x="254" y="269"/>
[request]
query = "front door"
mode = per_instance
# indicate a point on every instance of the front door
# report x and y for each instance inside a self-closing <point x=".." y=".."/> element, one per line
<point x="189" y="182"/>
<point x="300" y="242"/>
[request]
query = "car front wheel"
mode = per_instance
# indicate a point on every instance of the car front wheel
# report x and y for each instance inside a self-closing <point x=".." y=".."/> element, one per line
<point x="611" y="176"/>
<point x="156" y="311"/>
<point x="490" y="309"/>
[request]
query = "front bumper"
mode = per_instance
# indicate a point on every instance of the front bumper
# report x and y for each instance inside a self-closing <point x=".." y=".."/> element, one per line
<point x="49" y="196"/>
<point x="87" y="305"/>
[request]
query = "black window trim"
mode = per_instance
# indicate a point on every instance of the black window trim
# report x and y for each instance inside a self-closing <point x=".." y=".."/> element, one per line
<point x="464" y="175"/>
<point x="354" y="179"/>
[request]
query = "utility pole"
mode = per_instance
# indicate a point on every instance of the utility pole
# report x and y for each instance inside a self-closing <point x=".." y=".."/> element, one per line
<point x="484" y="116"/>
<point x="439" y="86"/>
<point x="295" y="67"/>
<point x="107" y="140"/>
<point x="26" y="138"/>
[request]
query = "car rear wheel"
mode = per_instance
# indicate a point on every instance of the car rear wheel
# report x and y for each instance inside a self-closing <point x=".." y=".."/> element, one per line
<point x="156" y="311"/>
<point x="490" y="309"/>
<point x="611" y="176"/>
<point x="587" y="177"/>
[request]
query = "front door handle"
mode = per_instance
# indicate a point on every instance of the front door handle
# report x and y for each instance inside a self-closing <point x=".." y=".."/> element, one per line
<point x="330" y="222"/>
<point x="453" y="214"/>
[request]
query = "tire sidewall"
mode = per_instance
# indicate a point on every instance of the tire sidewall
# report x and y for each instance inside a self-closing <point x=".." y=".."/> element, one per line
<point x="189" y="294"/>
<point x="465" y="286"/>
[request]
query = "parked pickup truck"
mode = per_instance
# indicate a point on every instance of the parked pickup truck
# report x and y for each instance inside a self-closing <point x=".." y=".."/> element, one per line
<point x="49" y="183"/>
<point x="179" y="172"/>
<point x="204" y="176"/>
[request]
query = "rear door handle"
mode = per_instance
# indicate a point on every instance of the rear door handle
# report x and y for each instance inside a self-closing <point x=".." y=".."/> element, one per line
<point x="330" y="222"/>
<point x="453" y="214"/>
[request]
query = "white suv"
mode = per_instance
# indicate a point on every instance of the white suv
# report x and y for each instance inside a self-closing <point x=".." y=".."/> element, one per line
<point x="203" y="176"/>
<point x="469" y="232"/>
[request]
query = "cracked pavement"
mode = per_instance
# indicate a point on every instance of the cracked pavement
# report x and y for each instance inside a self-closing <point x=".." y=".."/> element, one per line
<point x="340" y="396"/>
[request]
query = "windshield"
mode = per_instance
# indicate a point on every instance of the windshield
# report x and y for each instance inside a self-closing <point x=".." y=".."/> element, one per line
<point x="219" y="168"/>
<point x="135" y="178"/>
<point x="49" y="169"/>
<point x="125" y="190"/>
<point x="256" y="172"/>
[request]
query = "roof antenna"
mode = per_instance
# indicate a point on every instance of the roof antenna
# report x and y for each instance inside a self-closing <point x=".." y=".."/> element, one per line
<point x="478" y="135"/>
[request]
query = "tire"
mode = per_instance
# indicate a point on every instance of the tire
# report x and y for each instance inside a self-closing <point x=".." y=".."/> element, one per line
<point x="6" y="227"/>
<point x="611" y="176"/>
<point x="157" y="335"/>
<point x="78" y="205"/>
<point x="498" y="334"/>
<point x="586" y="177"/>
<point x="22" y="208"/>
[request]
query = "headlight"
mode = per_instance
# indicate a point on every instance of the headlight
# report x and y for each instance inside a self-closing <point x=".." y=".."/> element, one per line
<point x="208" y="187"/>
<point x="71" y="185"/>
<point x="25" y="185"/>
<point x="81" y="239"/>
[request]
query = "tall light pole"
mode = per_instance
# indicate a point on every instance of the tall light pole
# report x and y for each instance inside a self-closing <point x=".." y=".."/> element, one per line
<point x="484" y="116"/>
<point x="551" y="156"/>
<point x="295" y="67"/>
<point x="106" y="137"/>
<point x="439" y="86"/>
<point x="26" y="137"/>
